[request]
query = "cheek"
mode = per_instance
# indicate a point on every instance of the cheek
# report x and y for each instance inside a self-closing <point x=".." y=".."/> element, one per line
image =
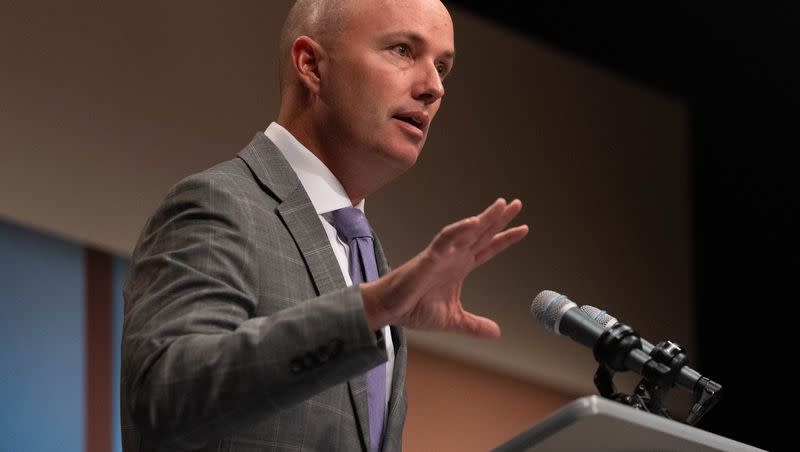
<point x="433" y="109"/>
<point x="360" y="78"/>
<point x="364" y="99"/>
<point x="379" y="81"/>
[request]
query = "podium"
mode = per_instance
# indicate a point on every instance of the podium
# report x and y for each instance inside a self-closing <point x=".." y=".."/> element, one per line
<point x="596" y="424"/>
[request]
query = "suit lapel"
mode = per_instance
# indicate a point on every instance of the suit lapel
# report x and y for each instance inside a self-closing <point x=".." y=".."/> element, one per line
<point x="395" y="413"/>
<point x="358" y="395"/>
<point x="380" y="258"/>
<point x="303" y="223"/>
<point x="397" y="398"/>
<point x="296" y="211"/>
<point x="301" y="219"/>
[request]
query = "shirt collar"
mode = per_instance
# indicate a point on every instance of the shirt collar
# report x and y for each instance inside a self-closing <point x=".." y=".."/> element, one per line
<point x="324" y="190"/>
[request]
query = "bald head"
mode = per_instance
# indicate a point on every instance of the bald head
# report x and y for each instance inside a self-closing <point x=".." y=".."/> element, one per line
<point x="361" y="81"/>
<point x="321" y="20"/>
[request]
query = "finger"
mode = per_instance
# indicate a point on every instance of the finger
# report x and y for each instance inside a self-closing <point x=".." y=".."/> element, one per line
<point x="500" y="242"/>
<point x="493" y="209"/>
<point x="468" y="230"/>
<point x="459" y="233"/>
<point x="490" y="217"/>
<point x="502" y="220"/>
<point x="477" y="326"/>
<point x="491" y="214"/>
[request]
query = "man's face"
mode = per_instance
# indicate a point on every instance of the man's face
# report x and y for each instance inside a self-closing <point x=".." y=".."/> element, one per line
<point x="383" y="83"/>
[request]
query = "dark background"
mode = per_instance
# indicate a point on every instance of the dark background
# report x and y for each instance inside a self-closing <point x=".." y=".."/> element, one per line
<point x="736" y="65"/>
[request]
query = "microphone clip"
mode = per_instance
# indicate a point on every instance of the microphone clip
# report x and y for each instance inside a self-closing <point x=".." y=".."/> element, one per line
<point x="659" y="372"/>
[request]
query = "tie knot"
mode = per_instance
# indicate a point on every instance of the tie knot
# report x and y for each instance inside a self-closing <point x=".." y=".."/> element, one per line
<point x="350" y="223"/>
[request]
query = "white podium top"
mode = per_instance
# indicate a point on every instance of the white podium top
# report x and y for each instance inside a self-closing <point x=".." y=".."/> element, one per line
<point x="596" y="424"/>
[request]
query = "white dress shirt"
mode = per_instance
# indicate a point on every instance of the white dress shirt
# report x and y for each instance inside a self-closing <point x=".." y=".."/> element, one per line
<point x="326" y="194"/>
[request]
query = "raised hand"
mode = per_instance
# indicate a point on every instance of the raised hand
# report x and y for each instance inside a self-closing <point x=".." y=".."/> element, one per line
<point x="425" y="292"/>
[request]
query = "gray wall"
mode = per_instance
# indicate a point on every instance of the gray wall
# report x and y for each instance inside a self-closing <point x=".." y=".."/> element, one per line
<point x="103" y="107"/>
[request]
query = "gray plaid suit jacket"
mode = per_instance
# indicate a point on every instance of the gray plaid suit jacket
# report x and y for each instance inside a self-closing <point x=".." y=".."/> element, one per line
<point x="239" y="331"/>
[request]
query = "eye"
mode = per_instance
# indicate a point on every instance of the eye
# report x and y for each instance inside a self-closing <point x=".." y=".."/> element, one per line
<point x="443" y="69"/>
<point x="402" y="50"/>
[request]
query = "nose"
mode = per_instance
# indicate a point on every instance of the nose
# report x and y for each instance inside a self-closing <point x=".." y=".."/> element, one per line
<point x="429" y="87"/>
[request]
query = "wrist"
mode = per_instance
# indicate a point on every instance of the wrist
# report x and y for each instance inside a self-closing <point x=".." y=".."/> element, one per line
<point x="377" y="317"/>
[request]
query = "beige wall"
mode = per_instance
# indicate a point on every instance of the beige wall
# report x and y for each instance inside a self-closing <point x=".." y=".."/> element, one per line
<point x="103" y="107"/>
<point x="461" y="408"/>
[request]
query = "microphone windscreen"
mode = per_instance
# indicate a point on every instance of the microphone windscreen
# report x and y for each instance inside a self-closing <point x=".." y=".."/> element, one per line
<point x="599" y="316"/>
<point x="548" y="307"/>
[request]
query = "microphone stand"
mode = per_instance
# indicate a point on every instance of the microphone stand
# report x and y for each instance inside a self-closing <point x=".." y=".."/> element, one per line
<point x="659" y="374"/>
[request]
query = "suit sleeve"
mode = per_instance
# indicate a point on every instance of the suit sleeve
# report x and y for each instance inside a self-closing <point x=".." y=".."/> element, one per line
<point x="196" y="362"/>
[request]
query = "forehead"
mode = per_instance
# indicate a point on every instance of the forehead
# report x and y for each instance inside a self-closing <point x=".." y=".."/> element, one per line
<point x="428" y="19"/>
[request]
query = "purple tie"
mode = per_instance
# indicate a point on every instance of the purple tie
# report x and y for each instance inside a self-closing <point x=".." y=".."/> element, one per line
<point x="353" y="229"/>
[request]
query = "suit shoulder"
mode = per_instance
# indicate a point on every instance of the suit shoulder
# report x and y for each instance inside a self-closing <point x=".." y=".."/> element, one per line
<point x="226" y="191"/>
<point x="229" y="176"/>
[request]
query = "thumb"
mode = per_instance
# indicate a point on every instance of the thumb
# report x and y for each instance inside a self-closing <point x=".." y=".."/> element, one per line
<point x="477" y="326"/>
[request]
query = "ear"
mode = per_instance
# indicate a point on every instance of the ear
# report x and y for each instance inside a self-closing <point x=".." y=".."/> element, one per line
<point x="306" y="57"/>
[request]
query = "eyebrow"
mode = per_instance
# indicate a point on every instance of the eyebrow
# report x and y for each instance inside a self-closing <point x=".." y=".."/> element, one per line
<point x="417" y="39"/>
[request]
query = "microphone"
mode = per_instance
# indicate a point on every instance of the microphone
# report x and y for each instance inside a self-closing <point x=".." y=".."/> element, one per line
<point x="559" y="314"/>
<point x="618" y="347"/>
<point x="687" y="377"/>
<point x="607" y="321"/>
<point x="599" y="316"/>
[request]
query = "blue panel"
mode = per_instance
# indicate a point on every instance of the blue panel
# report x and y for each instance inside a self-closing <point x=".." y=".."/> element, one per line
<point x="119" y="273"/>
<point x="42" y="294"/>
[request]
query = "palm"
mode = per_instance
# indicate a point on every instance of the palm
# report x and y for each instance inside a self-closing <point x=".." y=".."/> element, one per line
<point x="433" y="278"/>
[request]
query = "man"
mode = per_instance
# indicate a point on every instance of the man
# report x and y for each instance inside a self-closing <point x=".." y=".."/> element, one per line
<point x="242" y="328"/>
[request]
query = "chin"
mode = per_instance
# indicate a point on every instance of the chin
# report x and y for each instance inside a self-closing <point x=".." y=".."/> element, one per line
<point x="403" y="157"/>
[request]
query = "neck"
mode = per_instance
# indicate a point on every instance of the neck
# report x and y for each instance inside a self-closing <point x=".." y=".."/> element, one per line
<point x="360" y="177"/>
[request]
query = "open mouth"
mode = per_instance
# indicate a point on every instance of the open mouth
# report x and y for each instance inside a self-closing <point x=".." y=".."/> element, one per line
<point x="410" y="120"/>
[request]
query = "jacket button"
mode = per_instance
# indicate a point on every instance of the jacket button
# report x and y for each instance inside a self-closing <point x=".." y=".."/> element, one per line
<point x="323" y="354"/>
<point x="334" y="347"/>
<point x="296" y="366"/>
<point x="310" y="361"/>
